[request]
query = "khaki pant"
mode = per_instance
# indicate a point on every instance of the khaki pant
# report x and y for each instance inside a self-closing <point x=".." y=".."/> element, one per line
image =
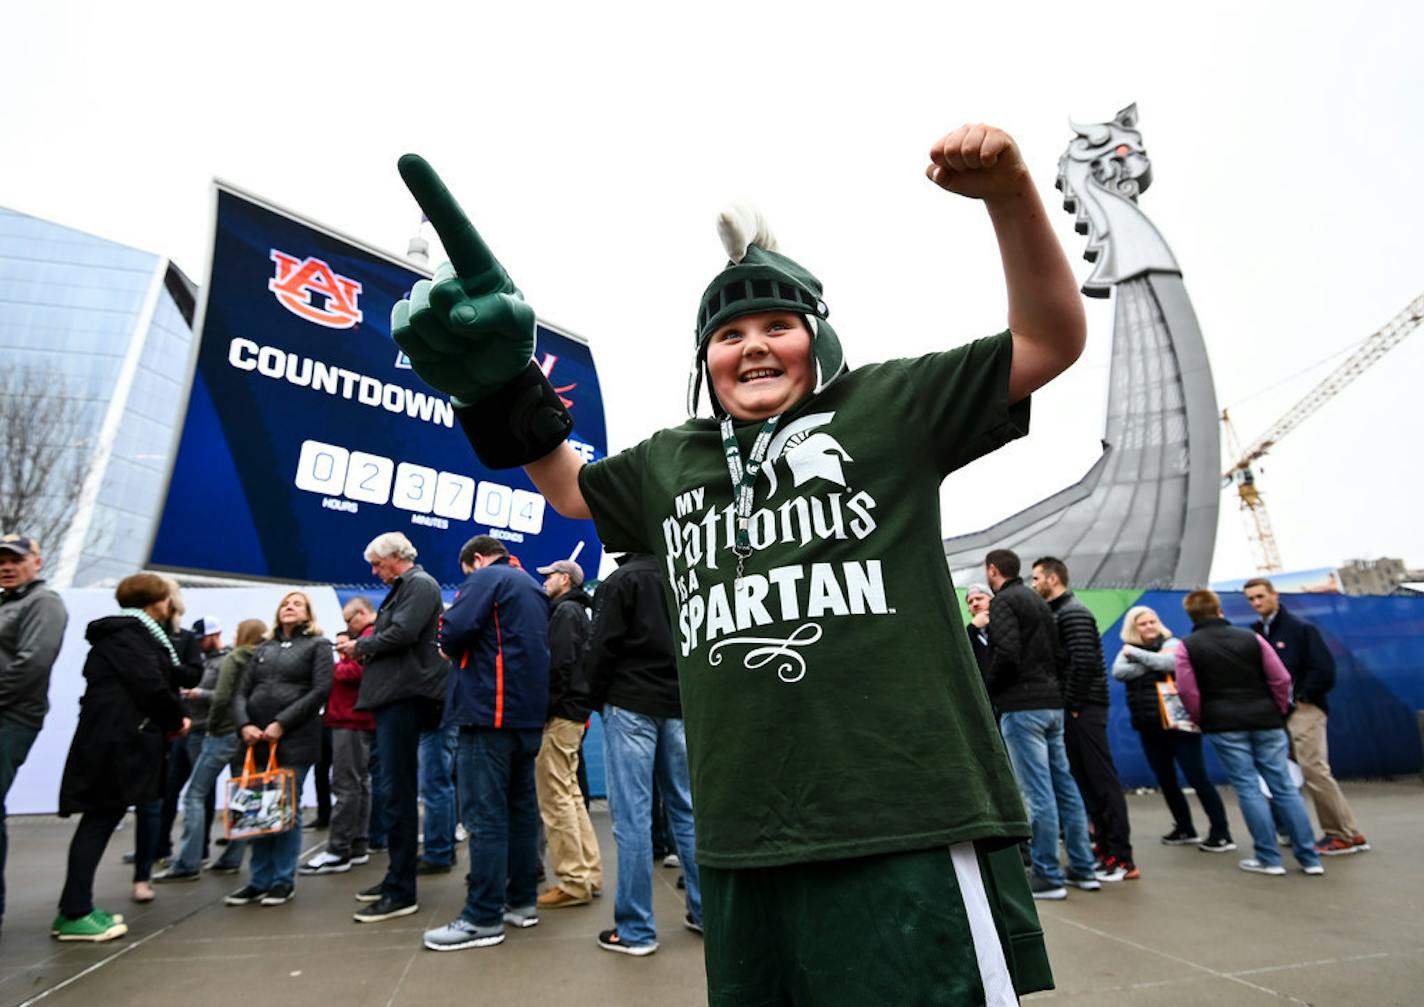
<point x="1307" y="734"/>
<point x="573" y="847"/>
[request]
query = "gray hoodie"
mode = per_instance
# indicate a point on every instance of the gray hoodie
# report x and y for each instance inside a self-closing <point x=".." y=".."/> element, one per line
<point x="32" y="621"/>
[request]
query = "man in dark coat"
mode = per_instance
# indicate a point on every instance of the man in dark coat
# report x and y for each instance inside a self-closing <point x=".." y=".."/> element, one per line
<point x="573" y="846"/>
<point x="1085" y="729"/>
<point x="1302" y="650"/>
<point x="1023" y="686"/>
<point x="1238" y="692"/>
<point x="403" y="685"/>
<point x="496" y="635"/>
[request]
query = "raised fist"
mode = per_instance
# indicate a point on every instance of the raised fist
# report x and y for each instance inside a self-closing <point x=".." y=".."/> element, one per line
<point x="978" y="161"/>
<point x="468" y="331"/>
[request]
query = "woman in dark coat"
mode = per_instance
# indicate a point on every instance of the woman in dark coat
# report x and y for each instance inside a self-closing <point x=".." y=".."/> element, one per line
<point x="279" y="702"/>
<point x="1147" y="657"/>
<point x="127" y="717"/>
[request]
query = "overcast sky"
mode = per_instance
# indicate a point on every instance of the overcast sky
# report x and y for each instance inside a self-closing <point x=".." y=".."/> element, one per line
<point x="593" y="145"/>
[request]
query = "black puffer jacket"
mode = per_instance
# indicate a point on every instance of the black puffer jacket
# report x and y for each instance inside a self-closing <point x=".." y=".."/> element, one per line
<point x="1085" y="682"/>
<point x="287" y="680"/>
<point x="129" y="707"/>
<point x="568" y="636"/>
<point x="1025" y="654"/>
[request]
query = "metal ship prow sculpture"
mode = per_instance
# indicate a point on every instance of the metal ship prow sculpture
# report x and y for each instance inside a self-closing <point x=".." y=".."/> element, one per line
<point x="1145" y="514"/>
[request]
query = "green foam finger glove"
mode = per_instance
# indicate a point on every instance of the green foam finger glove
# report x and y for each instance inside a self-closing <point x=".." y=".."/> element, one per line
<point x="467" y="332"/>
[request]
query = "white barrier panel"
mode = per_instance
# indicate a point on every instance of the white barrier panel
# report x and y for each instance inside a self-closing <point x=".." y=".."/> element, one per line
<point x="36" y="787"/>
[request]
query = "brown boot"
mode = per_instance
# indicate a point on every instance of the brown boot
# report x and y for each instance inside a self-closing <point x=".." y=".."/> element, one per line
<point x="557" y="898"/>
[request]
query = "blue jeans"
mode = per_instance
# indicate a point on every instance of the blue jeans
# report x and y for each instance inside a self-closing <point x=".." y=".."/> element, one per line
<point x="15" y="741"/>
<point x="216" y="752"/>
<point x="502" y="815"/>
<point x="1243" y="755"/>
<point x="437" y="793"/>
<point x="636" y="749"/>
<point x="274" y="858"/>
<point x="1035" y="742"/>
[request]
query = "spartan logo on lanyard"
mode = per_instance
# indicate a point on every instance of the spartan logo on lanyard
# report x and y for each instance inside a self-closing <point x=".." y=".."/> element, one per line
<point x="744" y="478"/>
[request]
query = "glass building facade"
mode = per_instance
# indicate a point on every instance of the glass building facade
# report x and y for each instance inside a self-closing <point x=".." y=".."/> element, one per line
<point x="110" y="328"/>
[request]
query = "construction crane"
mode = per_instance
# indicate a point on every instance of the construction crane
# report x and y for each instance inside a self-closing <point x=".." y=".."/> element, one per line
<point x="1253" y="508"/>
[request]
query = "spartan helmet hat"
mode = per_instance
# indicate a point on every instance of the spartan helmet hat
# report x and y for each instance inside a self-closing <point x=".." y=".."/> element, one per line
<point x="758" y="278"/>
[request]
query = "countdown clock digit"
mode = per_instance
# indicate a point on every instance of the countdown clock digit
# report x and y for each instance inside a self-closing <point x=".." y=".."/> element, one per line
<point x="368" y="478"/>
<point x="415" y="488"/>
<point x="493" y="503"/>
<point x="321" y="468"/>
<point x="454" y="496"/>
<point x="527" y="512"/>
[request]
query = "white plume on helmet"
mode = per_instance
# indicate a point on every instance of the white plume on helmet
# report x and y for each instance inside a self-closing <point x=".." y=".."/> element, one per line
<point x="740" y="225"/>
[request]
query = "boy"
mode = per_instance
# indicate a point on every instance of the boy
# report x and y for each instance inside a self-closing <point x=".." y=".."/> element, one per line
<point x="851" y="790"/>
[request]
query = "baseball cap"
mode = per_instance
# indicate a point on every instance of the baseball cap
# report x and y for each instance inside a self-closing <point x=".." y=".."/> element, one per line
<point x="18" y="544"/>
<point x="207" y="625"/>
<point x="567" y="566"/>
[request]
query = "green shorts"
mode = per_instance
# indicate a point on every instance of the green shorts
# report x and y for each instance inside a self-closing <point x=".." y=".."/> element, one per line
<point x="890" y="928"/>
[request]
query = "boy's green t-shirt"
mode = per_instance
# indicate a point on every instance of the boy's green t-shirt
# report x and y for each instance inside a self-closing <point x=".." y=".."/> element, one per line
<point x="831" y="704"/>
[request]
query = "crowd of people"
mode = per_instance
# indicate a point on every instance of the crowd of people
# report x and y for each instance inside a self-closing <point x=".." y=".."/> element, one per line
<point x="464" y="722"/>
<point x="1258" y="695"/>
<point x="515" y="727"/>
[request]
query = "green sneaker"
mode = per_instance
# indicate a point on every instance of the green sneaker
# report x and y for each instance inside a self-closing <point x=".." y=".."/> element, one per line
<point x="111" y="917"/>
<point x="97" y="926"/>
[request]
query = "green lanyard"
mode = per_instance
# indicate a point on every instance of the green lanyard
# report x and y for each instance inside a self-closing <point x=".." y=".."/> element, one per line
<point x="744" y="479"/>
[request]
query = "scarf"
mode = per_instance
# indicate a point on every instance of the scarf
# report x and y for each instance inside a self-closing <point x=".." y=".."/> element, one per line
<point x="157" y="631"/>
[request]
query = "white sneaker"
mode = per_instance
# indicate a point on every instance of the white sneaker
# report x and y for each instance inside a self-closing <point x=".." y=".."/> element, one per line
<point x="672" y="860"/>
<point x="326" y="862"/>
<point x="1256" y="867"/>
<point x="461" y="833"/>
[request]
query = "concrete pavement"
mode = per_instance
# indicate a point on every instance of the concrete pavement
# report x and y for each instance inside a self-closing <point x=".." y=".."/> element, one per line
<point x="1193" y="930"/>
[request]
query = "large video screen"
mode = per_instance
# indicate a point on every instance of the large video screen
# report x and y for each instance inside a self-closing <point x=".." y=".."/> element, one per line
<point x="307" y="433"/>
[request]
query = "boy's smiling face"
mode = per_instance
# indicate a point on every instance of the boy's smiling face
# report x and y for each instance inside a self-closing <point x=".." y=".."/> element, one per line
<point x="760" y="364"/>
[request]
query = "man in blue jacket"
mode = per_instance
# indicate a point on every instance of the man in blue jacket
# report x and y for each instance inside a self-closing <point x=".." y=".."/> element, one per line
<point x="1302" y="650"/>
<point x="496" y="637"/>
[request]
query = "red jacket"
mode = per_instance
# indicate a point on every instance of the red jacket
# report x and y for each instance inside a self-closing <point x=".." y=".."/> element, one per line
<point x="341" y="709"/>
